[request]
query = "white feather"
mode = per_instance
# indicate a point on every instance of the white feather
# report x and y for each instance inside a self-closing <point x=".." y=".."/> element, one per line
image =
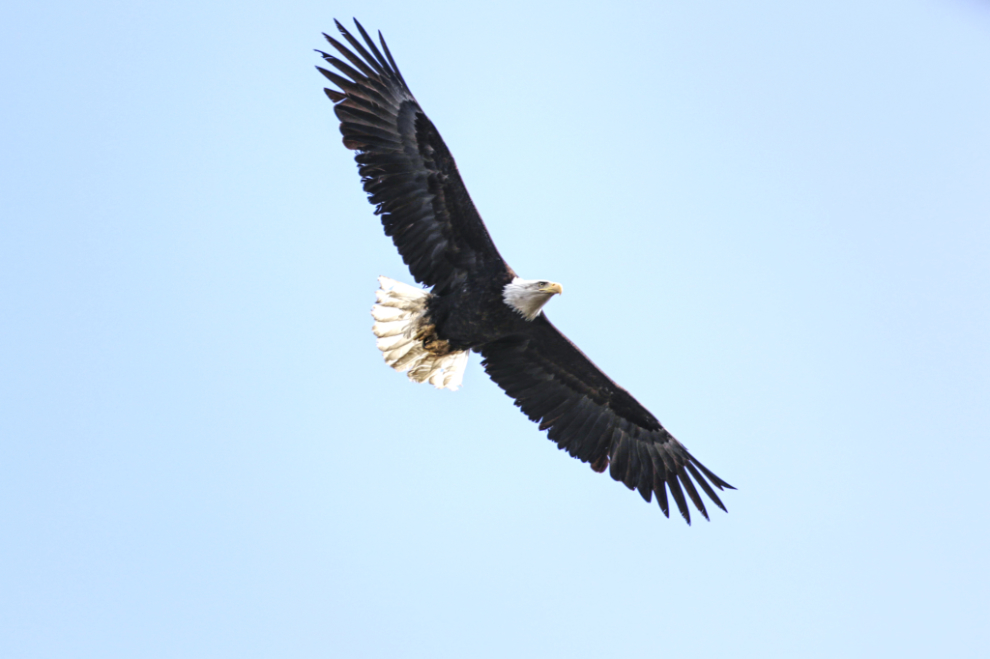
<point x="400" y="313"/>
<point x="382" y="330"/>
<point x="527" y="297"/>
<point x="387" y="314"/>
<point x="386" y="343"/>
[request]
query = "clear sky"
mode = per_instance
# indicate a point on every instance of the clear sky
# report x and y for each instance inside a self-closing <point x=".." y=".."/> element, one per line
<point x="772" y="222"/>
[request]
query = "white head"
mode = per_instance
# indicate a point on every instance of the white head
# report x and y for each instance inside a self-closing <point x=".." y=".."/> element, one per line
<point x="527" y="296"/>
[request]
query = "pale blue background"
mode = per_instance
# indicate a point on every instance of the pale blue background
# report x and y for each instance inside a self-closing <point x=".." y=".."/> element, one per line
<point x="772" y="220"/>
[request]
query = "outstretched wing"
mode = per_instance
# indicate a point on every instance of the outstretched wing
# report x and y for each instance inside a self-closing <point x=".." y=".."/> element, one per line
<point x="406" y="168"/>
<point x="595" y="419"/>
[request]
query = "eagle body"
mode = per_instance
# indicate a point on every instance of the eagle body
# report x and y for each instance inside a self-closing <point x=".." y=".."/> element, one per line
<point x="474" y="313"/>
<point x="476" y="302"/>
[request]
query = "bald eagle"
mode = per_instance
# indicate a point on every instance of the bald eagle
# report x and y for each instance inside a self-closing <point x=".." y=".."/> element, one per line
<point x="476" y="302"/>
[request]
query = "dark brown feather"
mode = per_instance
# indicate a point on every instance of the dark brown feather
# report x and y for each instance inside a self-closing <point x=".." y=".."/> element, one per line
<point x="596" y="420"/>
<point x="381" y="120"/>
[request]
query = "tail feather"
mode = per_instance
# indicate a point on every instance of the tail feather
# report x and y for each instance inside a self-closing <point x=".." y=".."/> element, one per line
<point x="386" y="330"/>
<point x="385" y="314"/>
<point x="404" y="331"/>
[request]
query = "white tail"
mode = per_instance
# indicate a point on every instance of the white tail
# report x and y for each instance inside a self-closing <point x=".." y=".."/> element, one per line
<point x="409" y="342"/>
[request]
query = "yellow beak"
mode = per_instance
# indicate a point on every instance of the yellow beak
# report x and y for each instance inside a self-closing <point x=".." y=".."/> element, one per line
<point x="553" y="287"/>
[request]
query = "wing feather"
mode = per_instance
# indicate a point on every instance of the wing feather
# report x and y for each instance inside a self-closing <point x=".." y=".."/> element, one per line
<point x="659" y="484"/>
<point x="596" y="420"/>
<point x="371" y="44"/>
<point x="362" y="62"/>
<point x="405" y="166"/>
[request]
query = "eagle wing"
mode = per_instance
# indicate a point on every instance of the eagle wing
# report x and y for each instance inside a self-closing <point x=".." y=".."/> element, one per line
<point x="594" y="419"/>
<point x="406" y="168"/>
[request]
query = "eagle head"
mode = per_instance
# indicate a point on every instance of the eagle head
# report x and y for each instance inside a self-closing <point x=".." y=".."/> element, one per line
<point x="527" y="296"/>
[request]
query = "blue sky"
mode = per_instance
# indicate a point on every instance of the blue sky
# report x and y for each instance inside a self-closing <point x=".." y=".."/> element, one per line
<point x="771" y="222"/>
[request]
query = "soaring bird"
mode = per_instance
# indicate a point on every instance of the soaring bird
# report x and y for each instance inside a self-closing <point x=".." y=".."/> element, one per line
<point x="476" y="302"/>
